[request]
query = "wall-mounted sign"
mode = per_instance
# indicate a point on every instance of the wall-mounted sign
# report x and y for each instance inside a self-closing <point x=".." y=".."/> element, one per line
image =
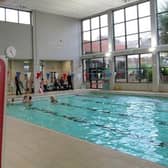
<point x="2" y="103"/>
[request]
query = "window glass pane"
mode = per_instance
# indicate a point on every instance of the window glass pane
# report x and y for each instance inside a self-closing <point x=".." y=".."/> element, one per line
<point x="86" y="48"/>
<point x="131" y="12"/>
<point x="104" y="33"/>
<point x="163" y="37"/>
<point x="133" y="68"/>
<point x="146" y="60"/>
<point x="24" y="17"/>
<point x="86" y="36"/>
<point x="96" y="46"/>
<point x="119" y="16"/>
<point x="144" y="9"/>
<point x="120" y="69"/>
<point x="145" y="40"/>
<point x="144" y="24"/>
<point x="146" y="63"/>
<point x="26" y="68"/>
<point x="2" y="14"/>
<point x="162" y="21"/>
<point x="164" y="66"/>
<point x="164" y="59"/>
<point x="133" y="61"/>
<point x="120" y="43"/>
<point x="132" y="41"/>
<point x="162" y="5"/>
<point x="119" y="29"/>
<point x="104" y="20"/>
<point x="95" y="35"/>
<point x="86" y="25"/>
<point x="132" y="27"/>
<point x="104" y="45"/>
<point x="163" y="33"/>
<point x="11" y="15"/>
<point x="95" y="22"/>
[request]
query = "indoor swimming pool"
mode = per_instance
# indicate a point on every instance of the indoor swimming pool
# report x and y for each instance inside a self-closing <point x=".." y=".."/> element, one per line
<point x="135" y="125"/>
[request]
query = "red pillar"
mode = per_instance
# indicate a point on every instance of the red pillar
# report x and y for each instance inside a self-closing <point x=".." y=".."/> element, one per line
<point x="2" y="103"/>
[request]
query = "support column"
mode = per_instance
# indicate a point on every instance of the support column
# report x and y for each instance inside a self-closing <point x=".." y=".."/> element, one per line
<point x="155" y="59"/>
<point x="110" y="48"/>
<point x="36" y="61"/>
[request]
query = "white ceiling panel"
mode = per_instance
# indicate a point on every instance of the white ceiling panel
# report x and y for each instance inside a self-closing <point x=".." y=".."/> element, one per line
<point x="71" y="8"/>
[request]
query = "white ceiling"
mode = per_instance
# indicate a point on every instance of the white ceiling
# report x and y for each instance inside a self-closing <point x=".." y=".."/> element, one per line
<point x="71" y="8"/>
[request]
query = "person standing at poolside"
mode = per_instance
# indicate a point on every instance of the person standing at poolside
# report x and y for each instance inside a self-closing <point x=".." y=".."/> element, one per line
<point x="17" y="84"/>
<point x="69" y="79"/>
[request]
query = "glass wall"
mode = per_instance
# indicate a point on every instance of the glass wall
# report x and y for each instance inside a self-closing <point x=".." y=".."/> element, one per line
<point x="131" y="30"/>
<point x="162" y="10"/>
<point x="95" y="34"/>
<point x="132" y="27"/>
<point x="133" y="68"/>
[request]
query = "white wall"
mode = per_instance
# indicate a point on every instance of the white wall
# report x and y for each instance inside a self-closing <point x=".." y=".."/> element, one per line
<point x="58" y="38"/>
<point x="17" y="35"/>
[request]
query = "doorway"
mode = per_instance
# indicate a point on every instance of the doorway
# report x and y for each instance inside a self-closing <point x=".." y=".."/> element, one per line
<point x="93" y="72"/>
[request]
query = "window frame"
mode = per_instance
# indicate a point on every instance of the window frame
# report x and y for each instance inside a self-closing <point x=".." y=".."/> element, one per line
<point x="125" y="22"/>
<point x="100" y="39"/>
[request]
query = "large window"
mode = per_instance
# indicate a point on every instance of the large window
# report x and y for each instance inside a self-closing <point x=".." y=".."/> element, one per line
<point x="95" y="34"/>
<point x="164" y="67"/>
<point x="15" y="16"/>
<point x="133" y="68"/>
<point x="132" y="27"/>
<point x="162" y="9"/>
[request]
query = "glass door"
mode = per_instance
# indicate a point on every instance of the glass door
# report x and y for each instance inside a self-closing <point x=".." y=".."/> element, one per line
<point x="93" y="72"/>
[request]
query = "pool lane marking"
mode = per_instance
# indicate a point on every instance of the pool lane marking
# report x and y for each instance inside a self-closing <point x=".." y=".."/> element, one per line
<point x="100" y="102"/>
<point x="83" y="121"/>
<point x="164" y="123"/>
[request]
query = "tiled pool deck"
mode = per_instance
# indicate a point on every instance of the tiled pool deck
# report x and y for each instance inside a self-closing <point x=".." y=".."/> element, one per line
<point x="29" y="146"/>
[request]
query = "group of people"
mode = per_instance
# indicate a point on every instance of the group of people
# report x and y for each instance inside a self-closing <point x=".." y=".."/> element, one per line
<point x="58" y="84"/>
<point x="27" y="100"/>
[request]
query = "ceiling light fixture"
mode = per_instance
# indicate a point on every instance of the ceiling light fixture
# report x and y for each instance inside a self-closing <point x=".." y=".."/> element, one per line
<point x="126" y="1"/>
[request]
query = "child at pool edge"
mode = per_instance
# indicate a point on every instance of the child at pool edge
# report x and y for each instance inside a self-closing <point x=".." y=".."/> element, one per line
<point x="8" y="101"/>
<point x="30" y="101"/>
<point x="53" y="99"/>
<point x="12" y="101"/>
<point x="25" y="99"/>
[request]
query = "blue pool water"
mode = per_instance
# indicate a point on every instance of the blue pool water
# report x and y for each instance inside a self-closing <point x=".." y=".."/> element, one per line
<point x="131" y="124"/>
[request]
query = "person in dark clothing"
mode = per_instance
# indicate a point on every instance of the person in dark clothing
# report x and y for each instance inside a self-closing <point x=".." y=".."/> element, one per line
<point x="17" y="83"/>
<point x="69" y="79"/>
<point x="62" y="83"/>
<point x="56" y="84"/>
